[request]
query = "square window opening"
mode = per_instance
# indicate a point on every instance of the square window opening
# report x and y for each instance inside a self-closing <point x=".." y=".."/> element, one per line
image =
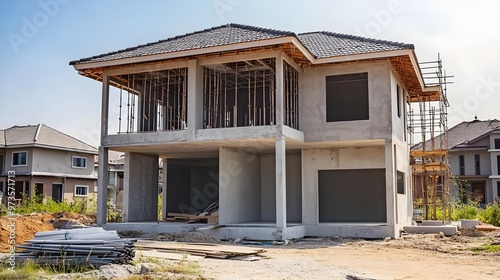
<point x="19" y="159"/>
<point x="347" y="97"/>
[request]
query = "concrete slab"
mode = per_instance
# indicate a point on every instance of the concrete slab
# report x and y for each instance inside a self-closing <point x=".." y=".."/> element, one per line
<point x="433" y="223"/>
<point x="469" y="223"/>
<point x="446" y="230"/>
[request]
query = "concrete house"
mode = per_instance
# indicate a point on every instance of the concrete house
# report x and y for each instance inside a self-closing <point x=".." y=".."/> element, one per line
<point x="475" y="158"/>
<point x="46" y="162"/>
<point x="293" y="134"/>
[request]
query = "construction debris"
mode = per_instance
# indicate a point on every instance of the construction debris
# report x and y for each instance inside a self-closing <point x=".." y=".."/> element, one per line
<point x="199" y="249"/>
<point x="210" y="215"/>
<point x="86" y="246"/>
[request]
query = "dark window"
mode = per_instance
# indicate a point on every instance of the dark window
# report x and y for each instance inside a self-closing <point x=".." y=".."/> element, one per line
<point x="347" y="97"/>
<point x="398" y="100"/>
<point x="1" y="164"/>
<point x="400" y="182"/>
<point x="79" y="162"/>
<point x="461" y="164"/>
<point x="19" y="159"/>
<point x="498" y="188"/>
<point x="4" y="193"/>
<point x="497" y="144"/>
<point x="498" y="165"/>
<point x="477" y="164"/>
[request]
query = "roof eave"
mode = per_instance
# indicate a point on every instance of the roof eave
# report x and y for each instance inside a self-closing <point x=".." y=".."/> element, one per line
<point x="186" y="53"/>
<point x="362" y="56"/>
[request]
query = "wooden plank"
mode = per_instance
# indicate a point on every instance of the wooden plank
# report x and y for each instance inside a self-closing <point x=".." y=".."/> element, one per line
<point x="168" y="255"/>
<point x="198" y="247"/>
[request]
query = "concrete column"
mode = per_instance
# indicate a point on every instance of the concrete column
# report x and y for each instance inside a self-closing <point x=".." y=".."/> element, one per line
<point x="280" y="183"/>
<point x="140" y="197"/>
<point x="104" y="107"/>
<point x="103" y="180"/>
<point x="390" y="185"/>
<point x="102" y="185"/>
<point x="279" y="90"/>
<point x="164" y="191"/>
<point x="195" y="98"/>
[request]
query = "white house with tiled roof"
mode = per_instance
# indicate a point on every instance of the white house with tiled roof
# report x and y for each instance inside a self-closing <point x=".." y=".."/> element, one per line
<point x="46" y="162"/>
<point x="292" y="134"/>
<point x="475" y="158"/>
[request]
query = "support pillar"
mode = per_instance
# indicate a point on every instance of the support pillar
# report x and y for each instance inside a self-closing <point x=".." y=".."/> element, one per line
<point x="103" y="180"/>
<point x="102" y="186"/>
<point x="279" y="90"/>
<point x="164" y="190"/>
<point x="195" y="98"/>
<point x="280" y="183"/>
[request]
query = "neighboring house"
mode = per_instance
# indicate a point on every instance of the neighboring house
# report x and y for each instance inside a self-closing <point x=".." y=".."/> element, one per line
<point x="46" y="162"/>
<point x="293" y="135"/>
<point x="474" y="149"/>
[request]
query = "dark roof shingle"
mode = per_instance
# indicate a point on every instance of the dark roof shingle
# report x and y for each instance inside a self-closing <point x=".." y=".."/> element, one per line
<point x="328" y="44"/>
<point x="216" y="36"/>
<point x="319" y="44"/>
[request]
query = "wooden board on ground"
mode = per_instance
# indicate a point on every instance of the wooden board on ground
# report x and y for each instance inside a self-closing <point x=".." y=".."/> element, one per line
<point x="167" y="255"/>
<point x="207" y="249"/>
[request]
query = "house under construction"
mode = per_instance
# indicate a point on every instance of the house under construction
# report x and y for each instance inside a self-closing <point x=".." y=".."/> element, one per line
<point x="289" y="134"/>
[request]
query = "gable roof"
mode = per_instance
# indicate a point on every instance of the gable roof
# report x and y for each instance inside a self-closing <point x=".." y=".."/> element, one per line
<point x="215" y="36"/>
<point x="466" y="133"/>
<point x="319" y="44"/>
<point x="328" y="44"/>
<point x="43" y="136"/>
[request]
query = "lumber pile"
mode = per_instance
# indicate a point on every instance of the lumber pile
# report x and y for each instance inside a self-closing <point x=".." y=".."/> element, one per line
<point x="85" y="246"/>
<point x="210" y="215"/>
<point x="208" y="250"/>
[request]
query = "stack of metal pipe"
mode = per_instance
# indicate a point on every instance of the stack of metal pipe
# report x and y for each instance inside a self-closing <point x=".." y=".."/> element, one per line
<point x="92" y="246"/>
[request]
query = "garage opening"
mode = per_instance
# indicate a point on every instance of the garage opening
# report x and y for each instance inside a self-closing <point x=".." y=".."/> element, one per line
<point x="192" y="186"/>
<point x="353" y="195"/>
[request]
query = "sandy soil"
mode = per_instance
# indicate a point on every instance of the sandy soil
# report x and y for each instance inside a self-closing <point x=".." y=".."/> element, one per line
<point x="27" y="225"/>
<point x="414" y="257"/>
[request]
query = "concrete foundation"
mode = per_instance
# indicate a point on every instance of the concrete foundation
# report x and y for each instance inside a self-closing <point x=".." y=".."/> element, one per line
<point x="447" y="230"/>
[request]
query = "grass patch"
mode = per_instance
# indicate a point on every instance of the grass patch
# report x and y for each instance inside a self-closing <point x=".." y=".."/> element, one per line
<point x="488" y="248"/>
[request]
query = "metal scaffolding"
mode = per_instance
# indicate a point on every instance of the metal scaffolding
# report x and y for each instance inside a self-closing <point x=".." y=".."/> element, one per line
<point x="428" y="124"/>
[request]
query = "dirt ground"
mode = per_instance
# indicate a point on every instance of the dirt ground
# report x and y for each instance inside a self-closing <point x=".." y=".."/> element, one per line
<point x="27" y="225"/>
<point x="411" y="257"/>
<point x="430" y="256"/>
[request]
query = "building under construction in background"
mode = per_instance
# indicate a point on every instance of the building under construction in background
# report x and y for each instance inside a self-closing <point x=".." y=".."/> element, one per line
<point x="428" y="125"/>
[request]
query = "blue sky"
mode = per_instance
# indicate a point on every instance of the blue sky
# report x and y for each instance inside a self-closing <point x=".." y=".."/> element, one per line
<point x="38" y="38"/>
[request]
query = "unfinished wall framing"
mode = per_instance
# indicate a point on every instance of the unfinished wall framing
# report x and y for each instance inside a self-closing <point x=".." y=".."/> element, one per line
<point x="153" y="101"/>
<point x="428" y="122"/>
<point x="243" y="93"/>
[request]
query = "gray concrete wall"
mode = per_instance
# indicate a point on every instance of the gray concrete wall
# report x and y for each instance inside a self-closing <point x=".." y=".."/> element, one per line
<point x="56" y="161"/>
<point x="470" y="169"/>
<point x="404" y="202"/>
<point x="293" y="188"/>
<point x="19" y="169"/>
<point x="398" y="123"/>
<point x="312" y="99"/>
<point x="140" y="188"/>
<point x="332" y="159"/>
<point x="239" y="187"/>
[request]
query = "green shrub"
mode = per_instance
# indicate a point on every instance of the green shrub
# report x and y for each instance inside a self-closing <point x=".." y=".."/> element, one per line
<point x="491" y="214"/>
